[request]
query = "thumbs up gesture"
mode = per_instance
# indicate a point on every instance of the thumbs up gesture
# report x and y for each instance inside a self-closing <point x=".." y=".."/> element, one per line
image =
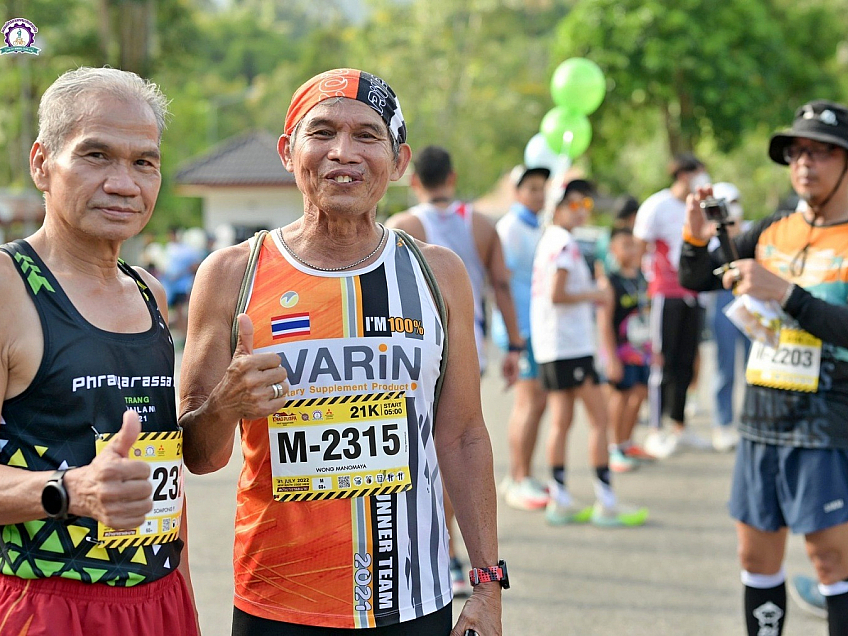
<point x="254" y="384"/>
<point x="113" y="489"/>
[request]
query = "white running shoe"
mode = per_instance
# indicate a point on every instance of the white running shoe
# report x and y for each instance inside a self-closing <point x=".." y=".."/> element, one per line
<point x="725" y="438"/>
<point x="527" y="494"/>
<point x="690" y="440"/>
<point x="660" y="444"/>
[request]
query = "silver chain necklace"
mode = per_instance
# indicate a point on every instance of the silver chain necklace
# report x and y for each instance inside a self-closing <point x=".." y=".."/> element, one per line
<point x="332" y="269"/>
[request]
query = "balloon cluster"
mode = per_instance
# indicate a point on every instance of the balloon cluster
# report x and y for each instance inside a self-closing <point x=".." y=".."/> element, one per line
<point x="578" y="88"/>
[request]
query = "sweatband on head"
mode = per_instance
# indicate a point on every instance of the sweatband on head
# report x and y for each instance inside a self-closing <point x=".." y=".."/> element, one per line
<point x="353" y="84"/>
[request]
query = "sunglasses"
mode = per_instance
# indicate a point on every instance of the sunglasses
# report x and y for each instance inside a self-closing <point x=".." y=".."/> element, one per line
<point x="793" y="153"/>
<point x="587" y="203"/>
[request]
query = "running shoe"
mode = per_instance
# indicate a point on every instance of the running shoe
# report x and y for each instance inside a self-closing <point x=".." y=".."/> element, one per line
<point x="659" y="444"/>
<point x="725" y="438"/>
<point x="637" y="452"/>
<point x="527" y="494"/>
<point x="559" y="514"/>
<point x="459" y="579"/>
<point x="690" y="440"/>
<point x="618" y="516"/>
<point x="804" y="590"/>
<point x="621" y="463"/>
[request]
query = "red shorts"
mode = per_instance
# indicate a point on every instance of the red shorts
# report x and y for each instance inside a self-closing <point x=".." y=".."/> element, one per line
<point x="44" y="607"/>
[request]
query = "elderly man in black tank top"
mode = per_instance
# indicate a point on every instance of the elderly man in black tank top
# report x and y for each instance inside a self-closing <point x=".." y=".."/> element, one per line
<point x="84" y="346"/>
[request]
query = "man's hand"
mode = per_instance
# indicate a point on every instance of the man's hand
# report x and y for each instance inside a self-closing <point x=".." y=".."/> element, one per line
<point x="247" y="389"/>
<point x="509" y="368"/>
<point x="482" y="612"/>
<point x="747" y="276"/>
<point x="699" y="228"/>
<point x="113" y="489"/>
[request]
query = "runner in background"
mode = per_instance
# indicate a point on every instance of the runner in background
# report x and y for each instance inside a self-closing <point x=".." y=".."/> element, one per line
<point x="729" y="340"/>
<point x="562" y="322"/>
<point x="440" y="219"/>
<point x="675" y="312"/>
<point x="625" y="337"/>
<point x="520" y="230"/>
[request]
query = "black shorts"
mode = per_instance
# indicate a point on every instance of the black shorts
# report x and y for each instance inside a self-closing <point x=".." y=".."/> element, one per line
<point x="439" y="623"/>
<point x="567" y="374"/>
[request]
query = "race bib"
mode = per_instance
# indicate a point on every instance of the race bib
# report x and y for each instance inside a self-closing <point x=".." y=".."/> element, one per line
<point x="792" y="366"/>
<point x="164" y="453"/>
<point x="340" y="447"/>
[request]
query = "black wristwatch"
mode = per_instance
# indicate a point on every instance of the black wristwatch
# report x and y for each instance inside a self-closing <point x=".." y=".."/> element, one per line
<point x="493" y="573"/>
<point x="512" y="348"/>
<point x="54" y="496"/>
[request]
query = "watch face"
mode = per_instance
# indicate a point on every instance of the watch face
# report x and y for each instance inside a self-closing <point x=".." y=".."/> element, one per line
<point x="53" y="499"/>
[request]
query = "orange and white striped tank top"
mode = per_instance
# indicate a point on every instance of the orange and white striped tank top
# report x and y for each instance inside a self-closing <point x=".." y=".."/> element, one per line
<point x="340" y="520"/>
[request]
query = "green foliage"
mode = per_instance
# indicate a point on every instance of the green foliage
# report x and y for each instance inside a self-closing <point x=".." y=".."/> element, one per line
<point x="472" y="75"/>
<point x="704" y="76"/>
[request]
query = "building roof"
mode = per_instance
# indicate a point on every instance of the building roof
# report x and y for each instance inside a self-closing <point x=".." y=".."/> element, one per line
<point x="246" y="160"/>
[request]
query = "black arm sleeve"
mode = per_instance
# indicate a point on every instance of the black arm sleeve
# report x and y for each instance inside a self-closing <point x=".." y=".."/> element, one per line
<point x="696" y="267"/>
<point x="820" y="318"/>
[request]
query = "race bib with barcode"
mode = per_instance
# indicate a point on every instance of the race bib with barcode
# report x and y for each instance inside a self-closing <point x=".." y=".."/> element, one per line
<point x="340" y="447"/>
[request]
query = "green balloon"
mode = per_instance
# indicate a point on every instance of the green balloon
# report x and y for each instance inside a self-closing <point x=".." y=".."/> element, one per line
<point x="567" y="133"/>
<point x="579" y="85"/>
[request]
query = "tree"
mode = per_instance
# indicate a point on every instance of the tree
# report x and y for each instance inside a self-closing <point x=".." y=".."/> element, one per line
<point x="471" y="75"/>
<point x="710" y="69"/>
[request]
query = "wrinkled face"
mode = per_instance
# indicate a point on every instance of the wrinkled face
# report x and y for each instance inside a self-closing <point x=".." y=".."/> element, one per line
<point x="815" y="168"/>
<point x="104" y="180"/>
<point x="531" y="192"/>
<point x="342" y="157"/>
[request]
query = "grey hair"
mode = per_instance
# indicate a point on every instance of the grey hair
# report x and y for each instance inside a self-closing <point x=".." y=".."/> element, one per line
<point x="59" y="110"/>
<point x="336" y="100"/>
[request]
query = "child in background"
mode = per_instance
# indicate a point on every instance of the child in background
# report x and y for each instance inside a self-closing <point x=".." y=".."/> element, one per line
<point x="561" y="321"/>
<point x="626" y="341"/>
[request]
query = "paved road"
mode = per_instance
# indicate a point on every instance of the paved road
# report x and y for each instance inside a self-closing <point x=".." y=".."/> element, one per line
<point x="678" y="575"/>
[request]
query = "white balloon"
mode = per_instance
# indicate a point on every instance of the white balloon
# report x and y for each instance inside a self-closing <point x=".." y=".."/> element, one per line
<point x="537" y="154"/>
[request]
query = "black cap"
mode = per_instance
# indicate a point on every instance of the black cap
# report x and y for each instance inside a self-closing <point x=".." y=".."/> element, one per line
<point x="519" y="173"/>
<point x="820" y="120"/>
<point x="625" y="206"/>
<point x="579" y="185"/>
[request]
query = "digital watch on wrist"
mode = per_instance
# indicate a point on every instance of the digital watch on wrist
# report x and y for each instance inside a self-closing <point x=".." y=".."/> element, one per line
<point x="54" y="496"/>
<point x="493" y="573"/>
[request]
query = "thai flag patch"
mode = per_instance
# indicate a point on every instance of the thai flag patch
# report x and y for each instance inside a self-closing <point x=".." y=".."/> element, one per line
<point x="290" y="325"/>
